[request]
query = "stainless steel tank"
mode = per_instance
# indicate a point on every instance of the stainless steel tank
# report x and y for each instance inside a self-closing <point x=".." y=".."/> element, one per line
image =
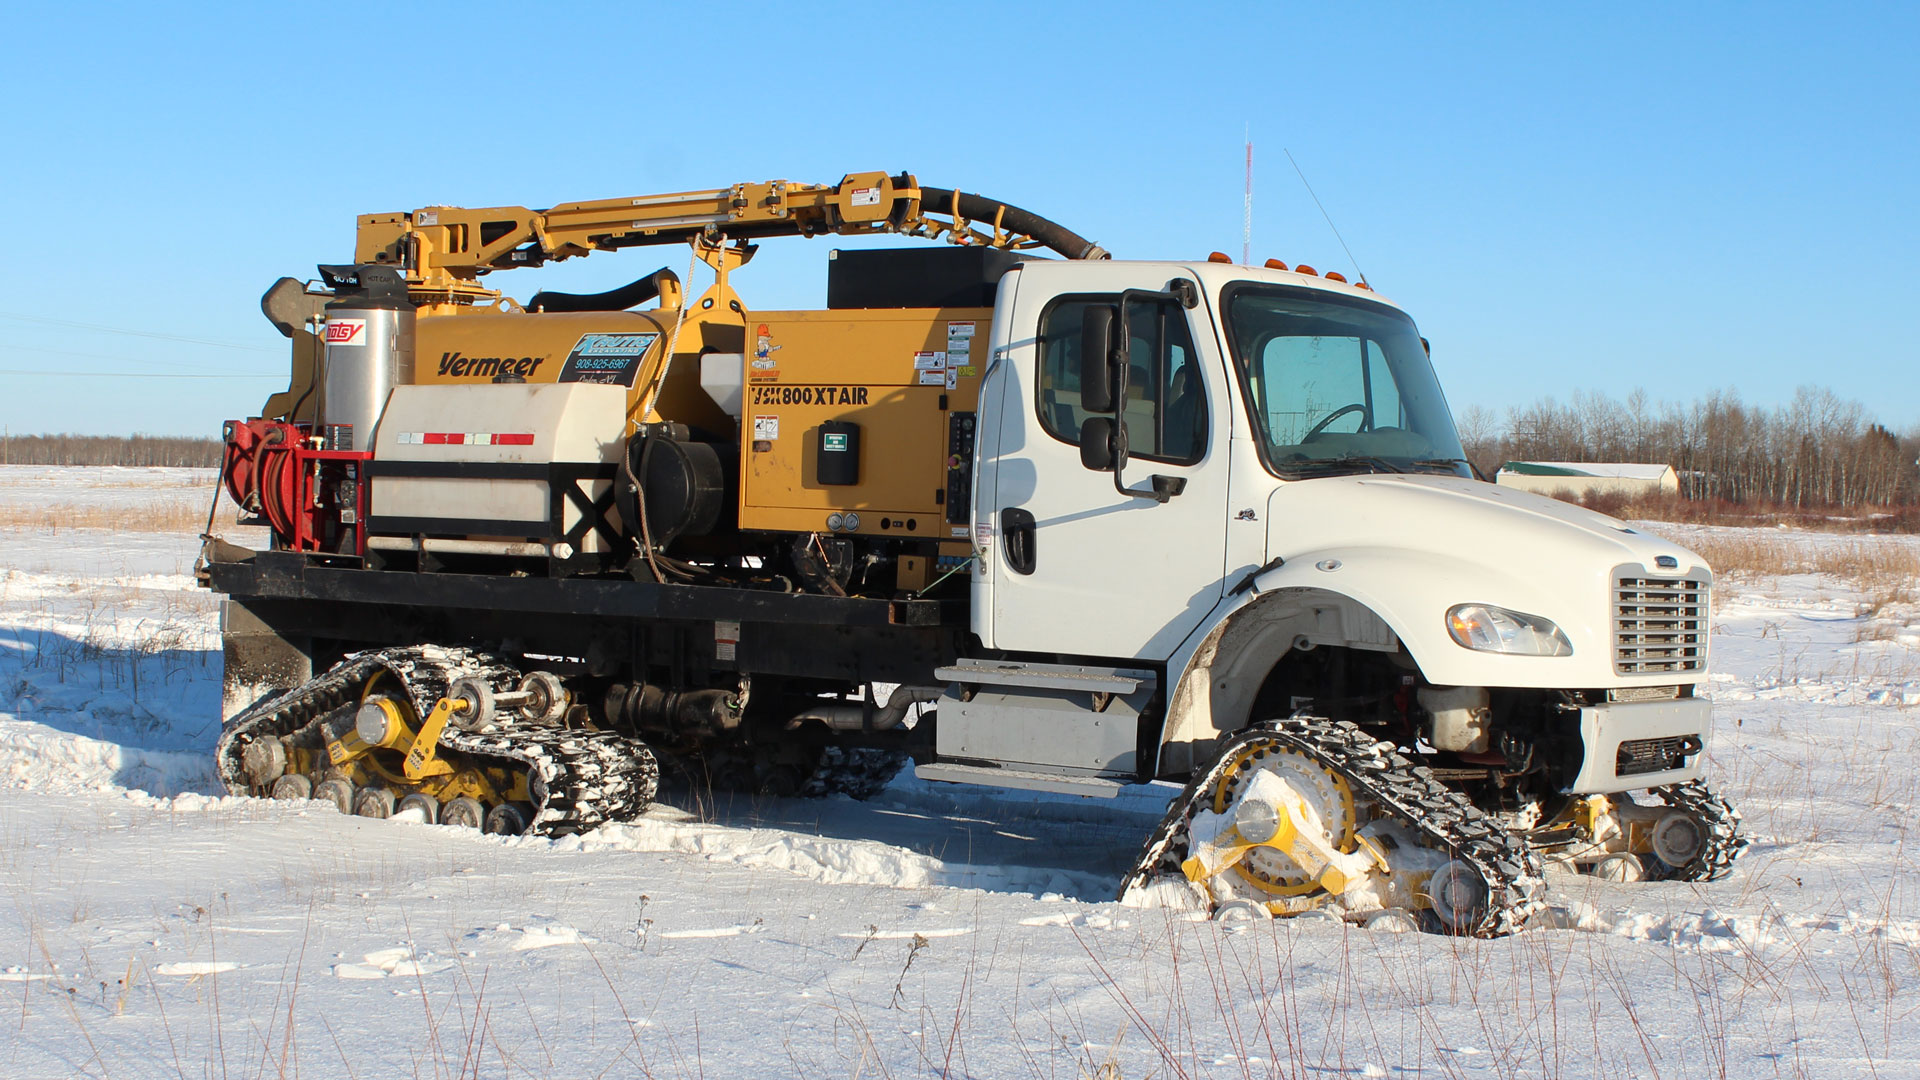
<point x="369" y="350"/>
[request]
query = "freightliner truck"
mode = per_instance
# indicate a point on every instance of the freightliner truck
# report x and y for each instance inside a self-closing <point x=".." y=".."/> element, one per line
<point x="1006" y="508"/>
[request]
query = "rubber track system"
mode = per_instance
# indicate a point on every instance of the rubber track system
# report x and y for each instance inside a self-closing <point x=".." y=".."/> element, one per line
<point x="1722" y="824"/>
<point x="1516" y="885"/>
<point x="578" y="779"/>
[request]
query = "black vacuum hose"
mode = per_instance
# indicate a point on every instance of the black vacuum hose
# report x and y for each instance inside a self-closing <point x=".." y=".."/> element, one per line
<point x="979" y="208"/>
<point x="620" y="299"/>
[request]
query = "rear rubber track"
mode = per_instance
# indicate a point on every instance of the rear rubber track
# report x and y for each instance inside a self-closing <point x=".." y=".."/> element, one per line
<point x="1516" y="885"/>
<point x="578" y="779"/>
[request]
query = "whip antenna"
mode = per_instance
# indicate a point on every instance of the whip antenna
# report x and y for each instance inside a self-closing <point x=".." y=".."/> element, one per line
<point x="1246" y="226"/>
<point x="1323" y="213"/>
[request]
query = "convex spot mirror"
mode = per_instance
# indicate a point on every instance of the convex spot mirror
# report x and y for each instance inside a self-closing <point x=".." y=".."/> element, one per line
<point x="1103" y="444"/>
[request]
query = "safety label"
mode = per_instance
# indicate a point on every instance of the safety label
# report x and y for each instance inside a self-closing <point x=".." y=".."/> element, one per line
<point x="865" y="196"/>
<point x="834" y="441"/>
<point x="929" y="361"/>
<point x="933" y="378"/>
<point x="766" y="427"/>
<point x="959" y="341"/>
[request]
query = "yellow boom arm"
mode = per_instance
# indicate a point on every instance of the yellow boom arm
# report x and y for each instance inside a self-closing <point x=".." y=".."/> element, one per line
<point x="444" y="249"/>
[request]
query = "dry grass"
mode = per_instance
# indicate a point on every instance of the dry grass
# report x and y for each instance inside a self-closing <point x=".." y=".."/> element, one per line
<point x="158" y="515"/>
<point x="1666" y="507"/>
<point x="1868" y="562"/>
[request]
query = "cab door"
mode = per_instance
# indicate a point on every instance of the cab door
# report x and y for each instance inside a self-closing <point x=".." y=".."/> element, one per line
<point x="1078" y="567"/>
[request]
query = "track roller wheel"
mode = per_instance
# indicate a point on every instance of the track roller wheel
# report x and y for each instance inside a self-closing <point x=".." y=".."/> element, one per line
<point x="373" y="802"/>
<point x="1392" y="921"/>
<point x="293" y="786"/>
<point x="464" y="812"/>
<point x="508" y="819"/>
<point x="264" y="760"/>
<point x="1678" y="838"/>
<point x="337" y="791"/>
<point x="1698" y="839"/>
<point x="545" y="698"/>
<point x="427" y="805"/>
<point x="480" y="705"/>
<point x="1459" y="894"/>
<point x="1240" y="911"/>
<point x="1620" y="866"/>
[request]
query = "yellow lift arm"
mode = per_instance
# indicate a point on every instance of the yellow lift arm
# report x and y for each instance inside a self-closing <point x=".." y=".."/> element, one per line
<point x="444" y="249"/>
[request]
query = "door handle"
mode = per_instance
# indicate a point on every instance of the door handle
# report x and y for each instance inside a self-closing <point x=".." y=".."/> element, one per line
<point x="1017" y="533"/>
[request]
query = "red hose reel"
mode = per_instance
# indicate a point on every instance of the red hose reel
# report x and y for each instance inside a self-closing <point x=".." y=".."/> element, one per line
<point x="314" y="500"/>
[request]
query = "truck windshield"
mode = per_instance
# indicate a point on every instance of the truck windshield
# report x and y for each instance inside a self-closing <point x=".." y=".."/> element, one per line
<point x="1338" y="384"/>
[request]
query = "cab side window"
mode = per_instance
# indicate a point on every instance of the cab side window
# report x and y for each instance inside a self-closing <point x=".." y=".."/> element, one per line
<point x="1166" y="405"/>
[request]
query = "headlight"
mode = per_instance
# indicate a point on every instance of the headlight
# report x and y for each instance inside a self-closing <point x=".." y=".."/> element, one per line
<point x="1485" y="628"/>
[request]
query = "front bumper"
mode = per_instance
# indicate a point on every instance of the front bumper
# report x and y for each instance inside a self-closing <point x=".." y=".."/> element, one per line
<point x="1633" y="745"/>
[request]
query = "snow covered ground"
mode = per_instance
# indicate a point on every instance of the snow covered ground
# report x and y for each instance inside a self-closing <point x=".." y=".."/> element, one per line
<point x="153" y="927"/>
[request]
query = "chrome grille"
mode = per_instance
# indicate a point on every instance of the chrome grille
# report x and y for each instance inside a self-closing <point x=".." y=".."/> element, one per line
<point x="1659" y="624"/>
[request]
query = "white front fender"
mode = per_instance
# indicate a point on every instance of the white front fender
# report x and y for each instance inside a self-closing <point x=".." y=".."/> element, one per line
<point x="1386" y="599"/>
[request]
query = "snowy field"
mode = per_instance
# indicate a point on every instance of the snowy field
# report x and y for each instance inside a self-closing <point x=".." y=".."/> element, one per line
<point x="154" y="928"/>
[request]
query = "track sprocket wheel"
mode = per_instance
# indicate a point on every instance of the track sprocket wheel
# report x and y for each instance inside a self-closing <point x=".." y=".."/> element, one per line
<point x="1323" y="789"/>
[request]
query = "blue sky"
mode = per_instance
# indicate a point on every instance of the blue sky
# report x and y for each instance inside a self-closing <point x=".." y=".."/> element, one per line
<point x="1567" y="197"/>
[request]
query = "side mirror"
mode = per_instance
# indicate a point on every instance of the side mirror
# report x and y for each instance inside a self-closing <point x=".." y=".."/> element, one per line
<point x="1096" y="360"/>
<point x="1103" y="444"/>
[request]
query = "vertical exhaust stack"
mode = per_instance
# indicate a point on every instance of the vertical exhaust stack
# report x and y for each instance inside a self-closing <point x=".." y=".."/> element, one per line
<point x="369" y="350"/>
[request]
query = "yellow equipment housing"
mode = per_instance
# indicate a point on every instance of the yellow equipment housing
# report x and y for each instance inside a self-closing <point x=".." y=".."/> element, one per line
<point x="899" y="375"/>
<point x="854" y="422"/>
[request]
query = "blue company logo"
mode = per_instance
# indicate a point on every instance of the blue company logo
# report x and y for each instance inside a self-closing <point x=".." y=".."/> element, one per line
<point x="607" y="358"/>
<point x="623" y="346"/>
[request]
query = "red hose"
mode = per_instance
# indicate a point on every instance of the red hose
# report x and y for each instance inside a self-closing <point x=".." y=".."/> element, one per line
<point x="277" y="492"/>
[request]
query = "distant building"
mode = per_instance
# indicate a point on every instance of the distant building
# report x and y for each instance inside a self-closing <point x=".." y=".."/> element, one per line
<point x="1578" y="478"/>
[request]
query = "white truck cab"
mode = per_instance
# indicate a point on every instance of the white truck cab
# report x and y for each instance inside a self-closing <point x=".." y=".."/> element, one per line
<point x="1293" y="525"/>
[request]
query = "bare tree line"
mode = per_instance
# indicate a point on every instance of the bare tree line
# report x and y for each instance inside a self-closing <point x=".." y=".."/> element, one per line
<point x="130" y="450"/>
<point x="1816" y="450"/>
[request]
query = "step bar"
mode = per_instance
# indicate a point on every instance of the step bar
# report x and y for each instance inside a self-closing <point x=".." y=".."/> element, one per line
<point x="1094" y="786"/>
<point x="1096" y="680"/>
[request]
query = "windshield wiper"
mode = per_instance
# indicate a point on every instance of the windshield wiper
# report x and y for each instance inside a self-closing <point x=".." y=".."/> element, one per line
<point x="1448" y="463"/>
<point x="1339" y="464"/>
